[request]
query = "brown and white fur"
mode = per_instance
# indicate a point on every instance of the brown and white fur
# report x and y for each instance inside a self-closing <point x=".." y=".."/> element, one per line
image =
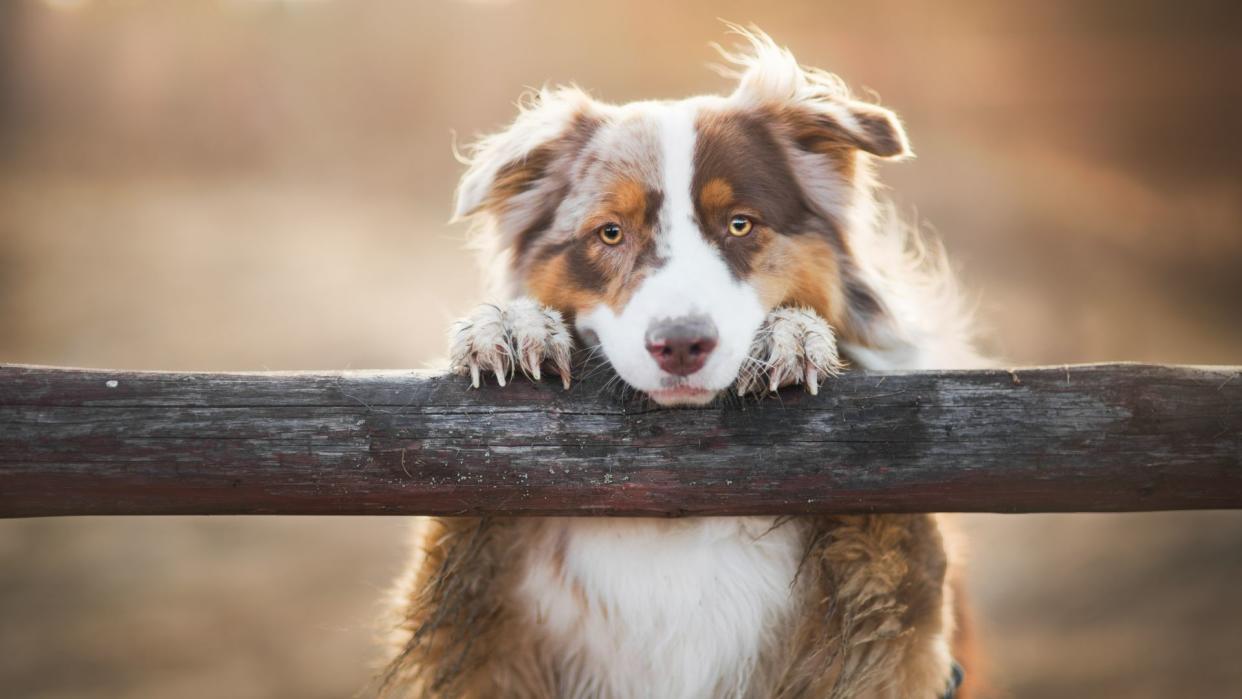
<point x="605" y="226"/>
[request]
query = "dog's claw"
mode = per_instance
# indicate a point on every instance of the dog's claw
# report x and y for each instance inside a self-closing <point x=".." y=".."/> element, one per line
<point x="793" y="346"/>
<point x="561" y="363"/>
<point x="499" y="340"/>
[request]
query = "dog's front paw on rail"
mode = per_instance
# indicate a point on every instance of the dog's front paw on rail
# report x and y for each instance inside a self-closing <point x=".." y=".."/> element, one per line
<point x="794" y="346"/>
<point x="502" y="339"/>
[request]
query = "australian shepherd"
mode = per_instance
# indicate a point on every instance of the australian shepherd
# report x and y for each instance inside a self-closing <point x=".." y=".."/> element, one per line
<point x="707" y="246"/>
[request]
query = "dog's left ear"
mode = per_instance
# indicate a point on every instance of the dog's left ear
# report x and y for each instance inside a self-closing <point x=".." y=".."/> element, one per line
<point x="816" y="104"/>
<point x="831" y="125"/>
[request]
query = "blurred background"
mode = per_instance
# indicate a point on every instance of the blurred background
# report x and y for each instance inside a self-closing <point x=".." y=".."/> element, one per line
<point x="265" y="185"/>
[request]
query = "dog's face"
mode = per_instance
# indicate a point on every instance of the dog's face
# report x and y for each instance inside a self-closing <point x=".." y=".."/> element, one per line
<point x="668" y="230"/>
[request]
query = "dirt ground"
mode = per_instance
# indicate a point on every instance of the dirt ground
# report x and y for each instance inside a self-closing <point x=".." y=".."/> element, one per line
<point x="265" y="185"/>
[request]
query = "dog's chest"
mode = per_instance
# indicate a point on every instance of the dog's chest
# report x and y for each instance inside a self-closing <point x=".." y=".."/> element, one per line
<point x="683" y="606"/>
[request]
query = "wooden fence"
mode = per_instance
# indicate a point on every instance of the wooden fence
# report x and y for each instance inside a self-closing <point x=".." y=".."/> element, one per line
<point x="1076" y="438"/>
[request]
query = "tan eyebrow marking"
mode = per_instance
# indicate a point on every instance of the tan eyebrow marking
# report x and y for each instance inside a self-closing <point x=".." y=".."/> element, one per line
<point x="716" y="194"/>
<point x="629" y="198"/>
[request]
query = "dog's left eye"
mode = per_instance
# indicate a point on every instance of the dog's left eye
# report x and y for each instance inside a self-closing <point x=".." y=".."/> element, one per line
<point x="740" y="226"/>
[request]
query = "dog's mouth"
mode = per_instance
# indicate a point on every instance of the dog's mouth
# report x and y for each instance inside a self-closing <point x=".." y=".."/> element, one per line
<point x="682" y="395"/>
<point x="682" y="390"/>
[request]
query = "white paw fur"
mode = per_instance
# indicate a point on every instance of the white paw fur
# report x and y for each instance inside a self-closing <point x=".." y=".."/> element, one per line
<point x="523" y="334"/>
<point x="794" y="345"/>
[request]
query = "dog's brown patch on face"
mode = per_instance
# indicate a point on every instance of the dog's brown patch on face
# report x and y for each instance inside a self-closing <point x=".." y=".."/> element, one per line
<point x="801" y="272"/>
<point x="583" y="271"/>
<point x="554" y="283"/>
<point x="737" y="149"/>
<point x="740" y="168"/>
<point x="716" y="204"/>
<point x="811" y="272"/>
<point x="792" y="255"/>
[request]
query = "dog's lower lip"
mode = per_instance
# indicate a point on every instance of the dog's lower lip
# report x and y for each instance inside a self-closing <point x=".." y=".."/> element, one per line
<point x="681" y="393"/>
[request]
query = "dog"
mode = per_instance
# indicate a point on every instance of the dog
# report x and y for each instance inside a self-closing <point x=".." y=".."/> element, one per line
<point x="716" y="245"/>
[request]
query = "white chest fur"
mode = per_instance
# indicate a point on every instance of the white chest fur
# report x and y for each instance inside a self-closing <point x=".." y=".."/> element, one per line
<point x="659" y="608"/>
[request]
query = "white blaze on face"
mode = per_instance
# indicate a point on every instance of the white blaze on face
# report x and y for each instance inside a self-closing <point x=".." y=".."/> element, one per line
<point x="692" y="280"/>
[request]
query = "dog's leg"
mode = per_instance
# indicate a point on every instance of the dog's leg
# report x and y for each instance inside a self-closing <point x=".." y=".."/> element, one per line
<point x="877" y="617"/>
<point x="502" y="339"/>
<point x="458" y="634"/>
<point x="794" y="345"/>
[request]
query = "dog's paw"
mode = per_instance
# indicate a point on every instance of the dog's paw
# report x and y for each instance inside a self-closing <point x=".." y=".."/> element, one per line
<point x="794" y="345"/>
<point x="522" y="335"/>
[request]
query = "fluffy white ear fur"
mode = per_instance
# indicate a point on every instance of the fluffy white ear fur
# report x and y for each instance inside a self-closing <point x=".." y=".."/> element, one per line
<point x="544" y="117"/>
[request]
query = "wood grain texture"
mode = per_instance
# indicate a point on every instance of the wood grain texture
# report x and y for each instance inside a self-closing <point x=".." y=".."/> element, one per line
<point x="1078" y="438"/>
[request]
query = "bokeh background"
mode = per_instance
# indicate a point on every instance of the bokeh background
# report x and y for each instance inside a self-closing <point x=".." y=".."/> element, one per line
<point x="265" y="185"/>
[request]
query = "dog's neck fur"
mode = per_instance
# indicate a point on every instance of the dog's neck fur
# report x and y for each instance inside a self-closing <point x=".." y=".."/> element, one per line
<point x="641" y="607"/>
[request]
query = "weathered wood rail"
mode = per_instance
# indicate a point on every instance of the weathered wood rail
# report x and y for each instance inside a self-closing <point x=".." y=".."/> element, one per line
<point x="1077" y="438"/>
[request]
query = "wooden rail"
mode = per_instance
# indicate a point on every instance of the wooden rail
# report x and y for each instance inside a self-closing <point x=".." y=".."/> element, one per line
<point x="1077" y="438"/>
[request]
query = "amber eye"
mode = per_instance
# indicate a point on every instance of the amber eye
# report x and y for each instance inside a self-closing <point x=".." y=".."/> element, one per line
<point x="740" y="226"/>
<point x="610" y="233"/>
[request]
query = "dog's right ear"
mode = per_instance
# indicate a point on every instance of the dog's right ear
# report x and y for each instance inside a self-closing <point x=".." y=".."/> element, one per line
<point x="518" y="172"/>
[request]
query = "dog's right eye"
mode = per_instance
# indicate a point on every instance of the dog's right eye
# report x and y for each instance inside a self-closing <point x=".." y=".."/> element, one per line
<point x="610" y="233"/>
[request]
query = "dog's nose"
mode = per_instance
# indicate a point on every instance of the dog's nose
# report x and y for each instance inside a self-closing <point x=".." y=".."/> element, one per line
<point x="681" y="345"/>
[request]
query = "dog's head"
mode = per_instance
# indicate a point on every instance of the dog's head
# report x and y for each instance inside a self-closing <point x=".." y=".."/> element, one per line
<point x="668" y="230"/>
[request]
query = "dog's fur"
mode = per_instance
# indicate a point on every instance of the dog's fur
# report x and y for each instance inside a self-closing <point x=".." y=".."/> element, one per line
<point x="842" y="606"/>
